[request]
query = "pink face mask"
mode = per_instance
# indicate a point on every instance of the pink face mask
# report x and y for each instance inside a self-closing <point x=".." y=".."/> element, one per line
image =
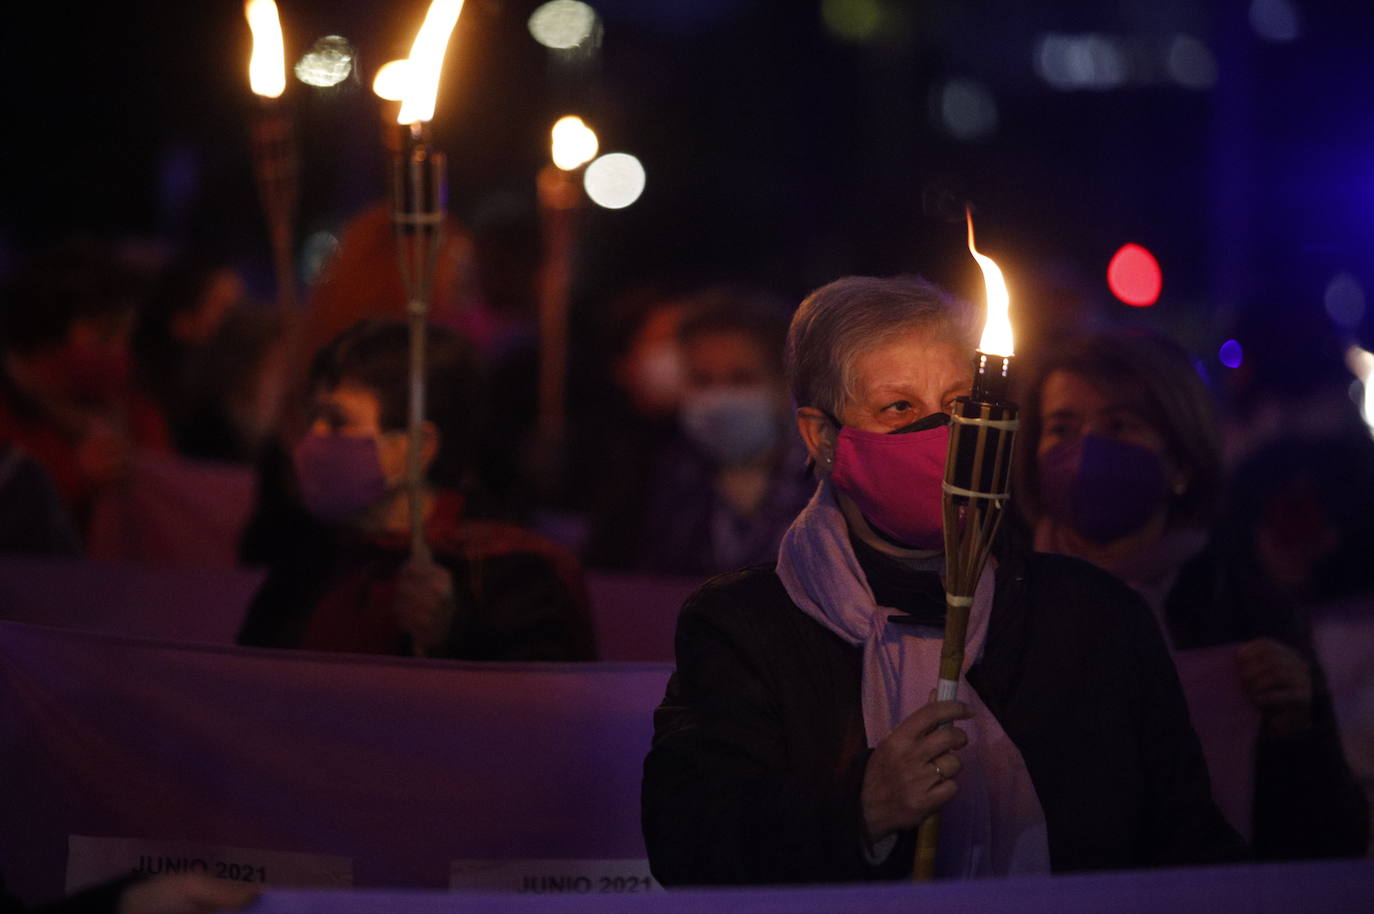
<point x="894" y="480"/>
<point x="340" y="475"/>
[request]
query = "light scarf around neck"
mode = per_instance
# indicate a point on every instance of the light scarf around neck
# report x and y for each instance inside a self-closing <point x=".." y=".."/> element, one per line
<point x="994" y="825"/>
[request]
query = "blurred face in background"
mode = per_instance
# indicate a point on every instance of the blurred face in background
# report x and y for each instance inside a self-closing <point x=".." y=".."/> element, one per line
<point x="651" y="370"/>
<point x="348" y="463"/>
<point x="734" y="404"/>
<point x="1105" y="470"/>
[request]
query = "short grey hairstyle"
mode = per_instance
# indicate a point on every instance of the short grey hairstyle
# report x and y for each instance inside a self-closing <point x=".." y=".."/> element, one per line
<point x="843" y="319"/>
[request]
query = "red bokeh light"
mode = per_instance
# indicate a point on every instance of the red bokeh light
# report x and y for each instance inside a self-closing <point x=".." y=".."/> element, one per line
<point x="1134" y="276"/>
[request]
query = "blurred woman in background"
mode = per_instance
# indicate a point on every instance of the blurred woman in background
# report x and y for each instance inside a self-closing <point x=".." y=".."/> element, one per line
<point x="1120" y="464"/>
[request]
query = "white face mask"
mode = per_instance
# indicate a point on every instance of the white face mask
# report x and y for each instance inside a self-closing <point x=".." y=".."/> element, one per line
<point x="731" y="424"/>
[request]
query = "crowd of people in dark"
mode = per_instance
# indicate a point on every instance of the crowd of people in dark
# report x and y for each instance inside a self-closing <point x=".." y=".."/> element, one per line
<point x="725" y="435"/>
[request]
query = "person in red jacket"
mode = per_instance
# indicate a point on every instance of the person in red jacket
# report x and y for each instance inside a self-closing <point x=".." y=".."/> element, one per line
<point x="66" y="399"/>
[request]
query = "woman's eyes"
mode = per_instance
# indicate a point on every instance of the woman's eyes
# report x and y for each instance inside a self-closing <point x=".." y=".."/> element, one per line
<point x="1058" y="430"/>
<point x="899" y="406"/>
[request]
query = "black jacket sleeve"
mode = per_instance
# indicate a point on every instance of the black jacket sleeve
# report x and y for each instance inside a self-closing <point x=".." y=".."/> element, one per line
<point x="727" y="798"/>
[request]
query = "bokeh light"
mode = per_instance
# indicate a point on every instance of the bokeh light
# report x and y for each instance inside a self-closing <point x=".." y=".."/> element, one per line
<point x="391" y="80"/>
<point x="1134" y="276"/>
<point x="967" y="109"/>
<point x="562" y="24"/>
<point x="1361" y="364"/>
<point x="573" y="143"/>
<point x="1275" y="20"/>
<point x="1231" y="354"/>
<point x="317" y="253"/>
<point x="852" y="20"/>
<point x="615" y="180"/>
<point x="328" y="63"/>
<point x="1345" y="300"/>
<point x="1190" y="63"/>
<point x="1087" y="61"/>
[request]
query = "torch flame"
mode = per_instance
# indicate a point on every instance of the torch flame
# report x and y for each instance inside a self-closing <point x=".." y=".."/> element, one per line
<point x="391" y="81"/>
<point x="574" y="143"/>
<point x="267" y="66"/>
<point x="997" y="330"/>
<point x="427" y="61"/>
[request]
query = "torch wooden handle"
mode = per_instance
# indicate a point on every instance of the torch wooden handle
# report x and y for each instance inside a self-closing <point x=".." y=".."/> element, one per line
<point x="927" y="843"/>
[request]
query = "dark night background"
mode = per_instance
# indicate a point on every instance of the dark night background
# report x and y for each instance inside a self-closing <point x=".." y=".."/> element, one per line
<point x="776" y="150"/>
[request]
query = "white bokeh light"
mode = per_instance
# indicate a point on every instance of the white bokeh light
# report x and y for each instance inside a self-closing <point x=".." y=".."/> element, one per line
<point x="1190" y="63"/>
<point x="563" y="24"/>
<point x="1275" y="20"/>
<point x="967" y="109"/>
<point x="614" y="181"/>
<point x="1361" y="364"/>
<point x="1088" y="61"/>
<point x="326" y="64"/>
<point x="1345" y="300"/>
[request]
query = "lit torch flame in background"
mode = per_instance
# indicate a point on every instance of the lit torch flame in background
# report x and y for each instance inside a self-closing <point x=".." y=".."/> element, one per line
<point x="997" y="330"/>
<point x="427" y="61"/>
<point x="391" y="81"/>
<point x="574" y="143"/>
<point x="267" y="66"/>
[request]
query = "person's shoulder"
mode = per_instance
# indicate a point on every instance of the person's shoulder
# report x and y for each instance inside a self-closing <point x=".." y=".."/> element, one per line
<point x="749" y="603"/>
<point x="754" y="588"/>
<point x="1079" y="592"/>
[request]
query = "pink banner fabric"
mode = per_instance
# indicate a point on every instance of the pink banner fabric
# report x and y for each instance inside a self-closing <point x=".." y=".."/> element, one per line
<point x="1312" y="888"/>
<point x="400" y="765"/>
<point x="204" y="605"/>
<point x="174" y="511"/>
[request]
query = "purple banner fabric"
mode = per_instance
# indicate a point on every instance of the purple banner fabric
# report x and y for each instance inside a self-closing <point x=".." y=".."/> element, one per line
<point x="174" y="511"/>
<point x="635" y="615"/>
<point x="180" y="604"/>
<point x="1313" y="888"/>
<point x="400" y="765"/>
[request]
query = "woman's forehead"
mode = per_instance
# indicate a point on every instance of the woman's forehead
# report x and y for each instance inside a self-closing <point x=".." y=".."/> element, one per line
<point x="914" y="358"/>
<point x="1071" y="391"/>
<point x="351" y="395"/>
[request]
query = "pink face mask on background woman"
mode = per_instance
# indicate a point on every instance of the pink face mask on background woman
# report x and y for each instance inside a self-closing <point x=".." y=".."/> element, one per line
<point x="339" y="475"/>
<point x="894" y="479"/>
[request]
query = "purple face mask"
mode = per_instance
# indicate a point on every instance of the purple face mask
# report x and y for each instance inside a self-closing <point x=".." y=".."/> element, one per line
<point x="340" y="475"/>
<point x="894" y="481"/>
<point x="1102" y="488"/>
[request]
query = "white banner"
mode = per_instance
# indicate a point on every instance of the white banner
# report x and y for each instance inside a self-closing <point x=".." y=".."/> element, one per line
<point x="552" y="877"/>
<point x="91" y="861"/>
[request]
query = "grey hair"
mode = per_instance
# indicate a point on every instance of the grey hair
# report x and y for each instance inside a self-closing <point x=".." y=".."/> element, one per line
<point x="843" y="319"/>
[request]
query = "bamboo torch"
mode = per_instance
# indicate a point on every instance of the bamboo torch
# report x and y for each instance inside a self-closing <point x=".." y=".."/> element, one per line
<point x="975" y="495"/>
<point x="274" y="143"/>
<point x="572" y="145"/>
<point x="418" y="194"/>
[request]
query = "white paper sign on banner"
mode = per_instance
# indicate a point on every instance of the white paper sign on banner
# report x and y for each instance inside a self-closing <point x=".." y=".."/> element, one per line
<point x="91" y="861"/>
<point x="552" y="877"/>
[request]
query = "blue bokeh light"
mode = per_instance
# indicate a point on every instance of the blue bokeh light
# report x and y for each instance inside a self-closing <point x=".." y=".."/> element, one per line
<point x="1230" y="354"/>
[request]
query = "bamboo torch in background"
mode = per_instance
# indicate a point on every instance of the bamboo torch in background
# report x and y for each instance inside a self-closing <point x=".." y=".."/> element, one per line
<point x="274" y="143"/>
<point x="975" y="495"/>
<point x="418" y="192"/>
<point x="573" y="144"/>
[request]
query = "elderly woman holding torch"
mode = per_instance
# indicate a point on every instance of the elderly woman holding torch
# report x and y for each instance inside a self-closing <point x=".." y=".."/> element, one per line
<point x="800" y="740"/>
